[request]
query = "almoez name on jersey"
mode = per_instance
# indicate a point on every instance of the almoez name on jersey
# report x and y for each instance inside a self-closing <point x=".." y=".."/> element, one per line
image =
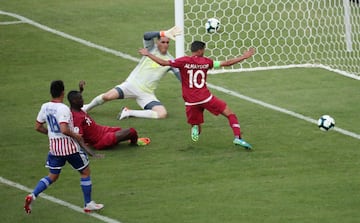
<point x="196" y="66"/>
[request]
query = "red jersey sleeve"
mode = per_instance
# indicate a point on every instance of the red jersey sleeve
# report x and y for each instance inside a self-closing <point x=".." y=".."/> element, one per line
<point x="178" y="63"/>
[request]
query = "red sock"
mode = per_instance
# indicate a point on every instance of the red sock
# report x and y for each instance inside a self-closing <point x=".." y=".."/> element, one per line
<point x="133" y="136"/>
<point x="235" y="126"/>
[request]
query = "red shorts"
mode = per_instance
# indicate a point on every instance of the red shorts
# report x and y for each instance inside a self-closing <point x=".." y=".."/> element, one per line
<point x="195" y="113"/>
<point x="108" y="138"/>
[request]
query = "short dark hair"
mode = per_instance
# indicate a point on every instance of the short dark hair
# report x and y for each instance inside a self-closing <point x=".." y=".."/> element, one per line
<point x="56" y="88"/>
<point x="197" y="45"/>
<point x="72" y="95"/>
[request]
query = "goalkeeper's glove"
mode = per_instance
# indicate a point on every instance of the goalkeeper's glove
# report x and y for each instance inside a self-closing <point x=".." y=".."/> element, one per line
<point x="171" y="33"/>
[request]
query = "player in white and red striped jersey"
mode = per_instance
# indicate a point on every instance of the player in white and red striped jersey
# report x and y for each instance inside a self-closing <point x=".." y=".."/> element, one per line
<point x="55" y="113"/>
<point x="64" y="147"/>
<point x="197" y="97"/>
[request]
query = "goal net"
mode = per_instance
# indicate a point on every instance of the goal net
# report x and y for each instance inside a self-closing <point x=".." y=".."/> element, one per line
<point x="285" y="33"/>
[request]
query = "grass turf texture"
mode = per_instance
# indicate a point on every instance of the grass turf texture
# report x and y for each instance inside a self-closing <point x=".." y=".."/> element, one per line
<point x="296" y="173"/>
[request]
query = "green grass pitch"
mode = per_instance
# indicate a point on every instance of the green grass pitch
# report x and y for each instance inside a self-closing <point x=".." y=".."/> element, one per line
<point x="296" y="172"/>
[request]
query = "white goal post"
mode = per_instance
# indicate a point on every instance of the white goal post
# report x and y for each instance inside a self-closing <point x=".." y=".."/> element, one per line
<point x="285" y="33"/>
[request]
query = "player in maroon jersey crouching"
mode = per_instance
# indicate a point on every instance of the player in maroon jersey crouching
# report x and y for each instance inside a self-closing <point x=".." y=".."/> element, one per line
<point x="99" y="136"/>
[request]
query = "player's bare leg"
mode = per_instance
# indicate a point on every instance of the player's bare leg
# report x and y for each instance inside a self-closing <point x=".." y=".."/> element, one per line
<point x="127" y="134"/>
<point x="160" y="110"/>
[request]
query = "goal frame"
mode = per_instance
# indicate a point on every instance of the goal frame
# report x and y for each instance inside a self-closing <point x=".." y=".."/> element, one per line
<point x="348" y="39"/>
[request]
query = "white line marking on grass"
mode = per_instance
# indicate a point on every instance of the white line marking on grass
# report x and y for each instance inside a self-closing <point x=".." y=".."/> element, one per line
<point x="67" y="36"/>
<point x="11" y="22"/>
<point x="126" y="56"/>
<point x="282" y="110"/>
<point x="58" y="201"/>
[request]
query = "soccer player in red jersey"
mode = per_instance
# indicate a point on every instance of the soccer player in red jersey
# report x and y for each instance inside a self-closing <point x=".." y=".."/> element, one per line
<point x="197" y="97"/>
<point x="64" y="146"/>
<point x="99" y="136"/>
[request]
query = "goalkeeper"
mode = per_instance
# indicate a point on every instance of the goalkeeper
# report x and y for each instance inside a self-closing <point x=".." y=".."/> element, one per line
<point x="143" y="80"/>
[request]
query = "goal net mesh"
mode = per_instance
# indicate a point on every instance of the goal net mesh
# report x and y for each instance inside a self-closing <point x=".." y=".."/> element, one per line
<point x="285" y="33"/>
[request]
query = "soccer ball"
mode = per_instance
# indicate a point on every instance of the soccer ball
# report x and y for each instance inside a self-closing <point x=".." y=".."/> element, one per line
<point x="212" y="25"/>
<point x="326" y="123"/>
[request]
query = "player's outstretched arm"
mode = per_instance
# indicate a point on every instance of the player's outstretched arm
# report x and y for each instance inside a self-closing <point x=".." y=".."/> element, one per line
<point x="89" y="151"/>
<point x="158" y="60"/>
<point x="247" y="54"/>
<point x="81" y="86"/>
<point x="170" y="33"/>
<point x="64" y="128"/>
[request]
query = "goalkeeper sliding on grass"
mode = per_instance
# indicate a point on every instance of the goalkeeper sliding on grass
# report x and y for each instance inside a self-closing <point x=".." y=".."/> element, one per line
<point x="143" y="80"/>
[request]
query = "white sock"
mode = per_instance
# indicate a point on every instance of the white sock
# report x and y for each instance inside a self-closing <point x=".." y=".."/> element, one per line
<point x="98" y="100"/>
<point x="143" y="113"/>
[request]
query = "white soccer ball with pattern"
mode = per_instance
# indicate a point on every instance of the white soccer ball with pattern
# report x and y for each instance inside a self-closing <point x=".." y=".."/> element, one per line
<point x="212" y="25"/>
<point x="326" y="122"/>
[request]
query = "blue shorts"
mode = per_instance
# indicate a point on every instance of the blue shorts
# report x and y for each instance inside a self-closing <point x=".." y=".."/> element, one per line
<point x="79" y="161"/>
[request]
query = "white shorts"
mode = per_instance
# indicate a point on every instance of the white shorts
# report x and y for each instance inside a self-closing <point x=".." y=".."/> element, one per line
<point x="142" y="98"/>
